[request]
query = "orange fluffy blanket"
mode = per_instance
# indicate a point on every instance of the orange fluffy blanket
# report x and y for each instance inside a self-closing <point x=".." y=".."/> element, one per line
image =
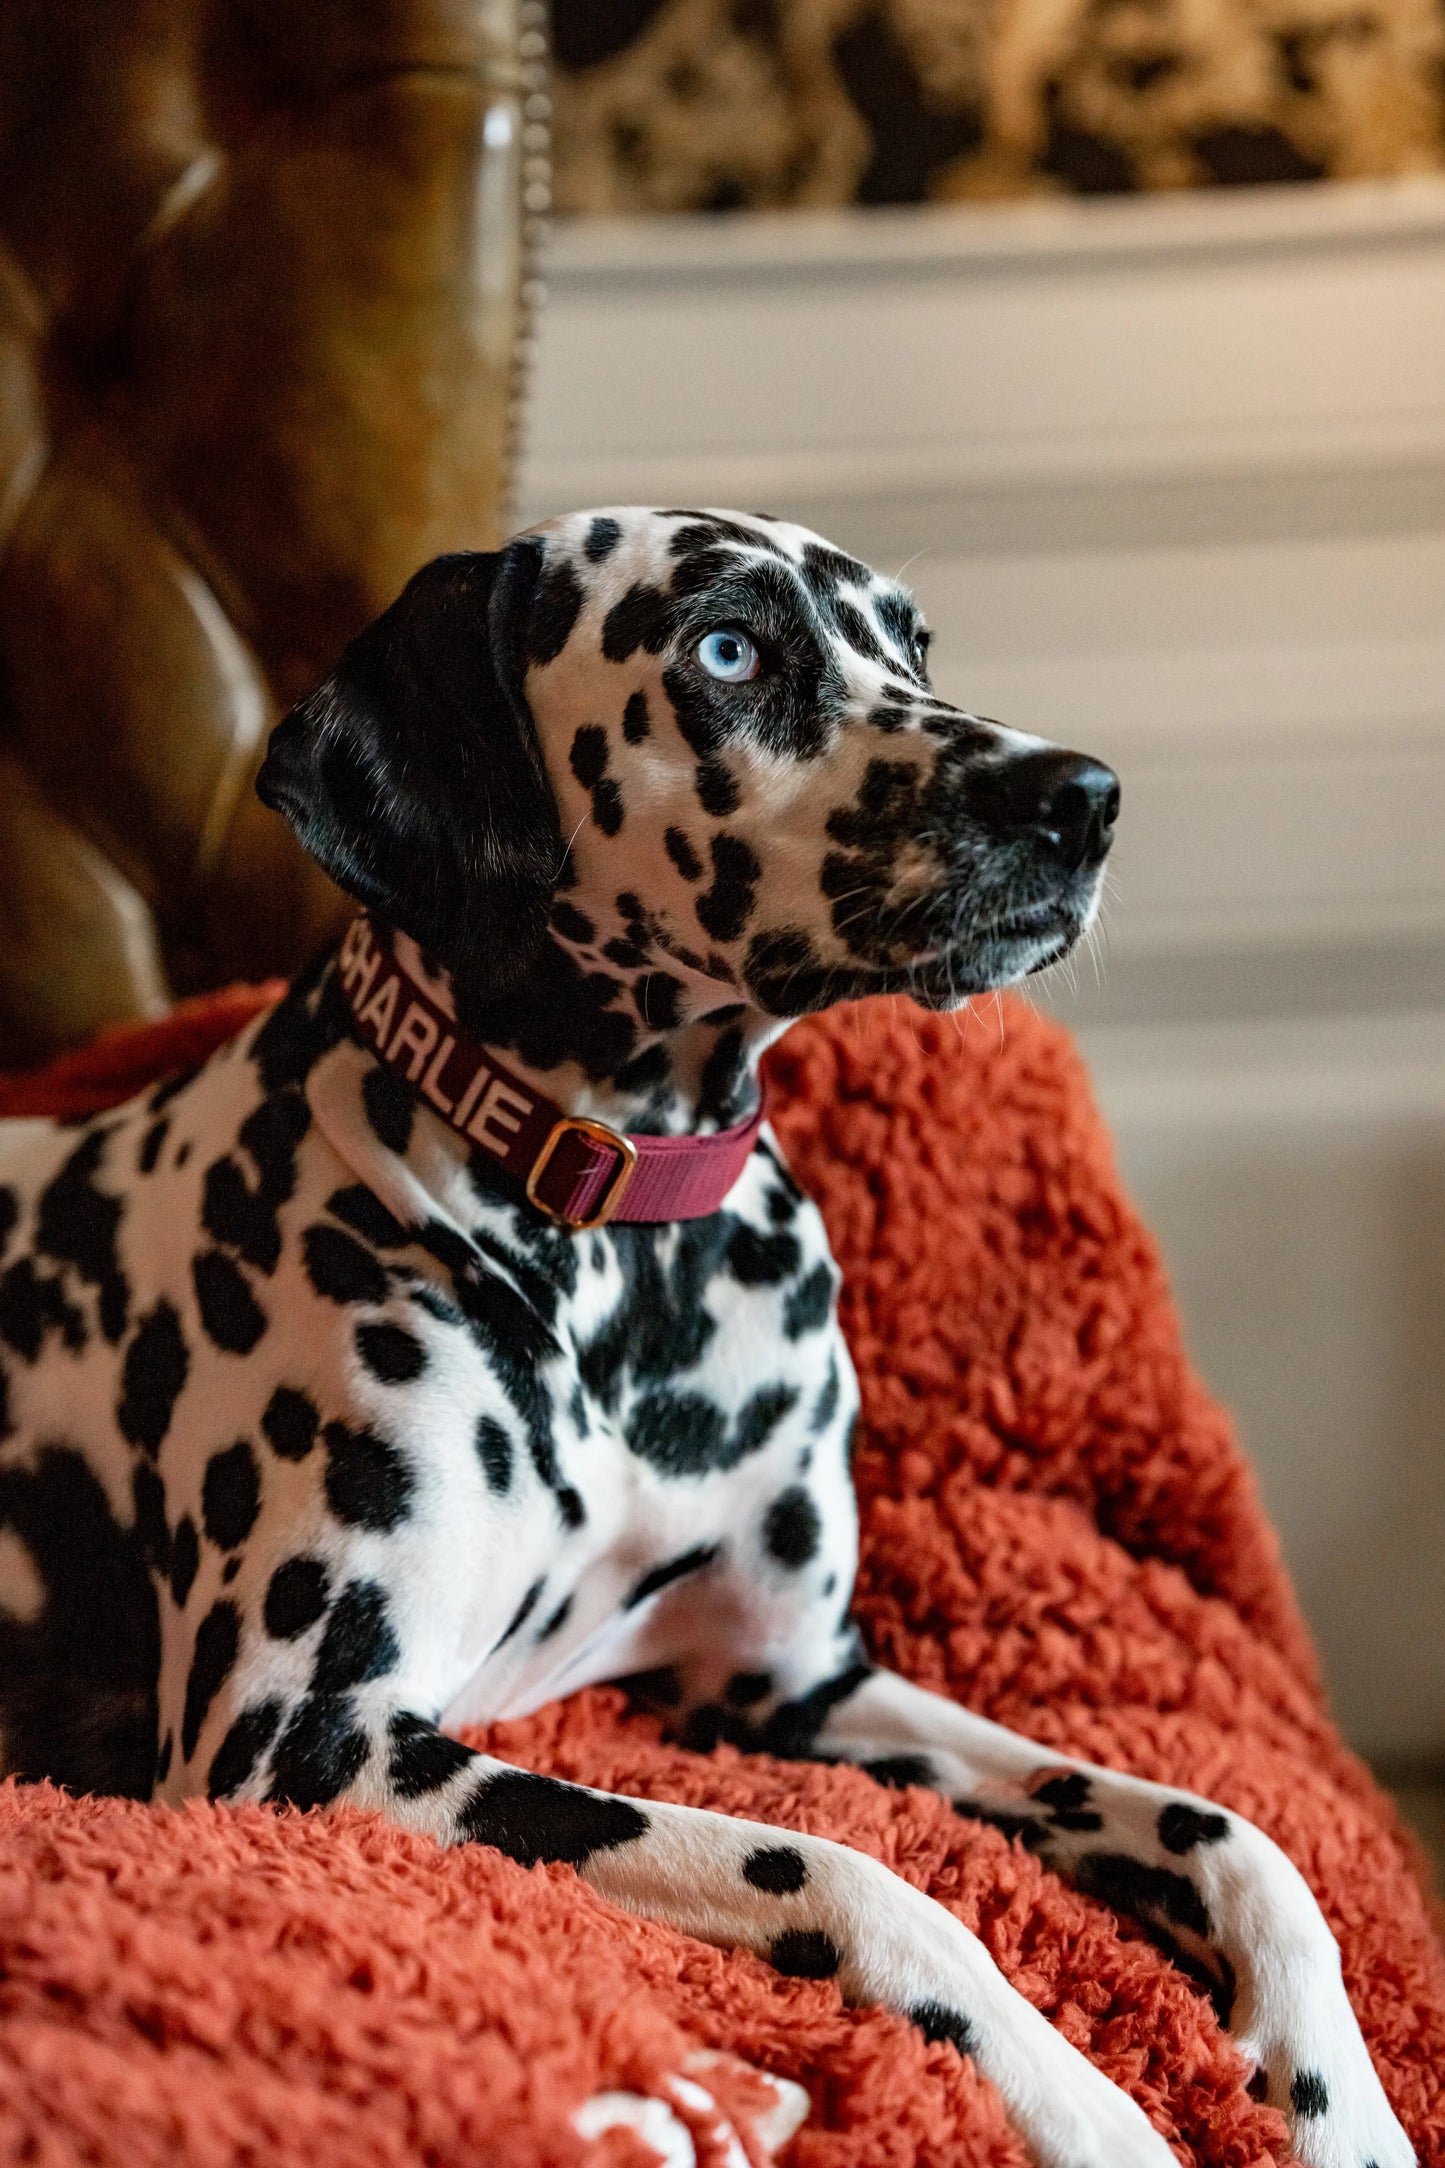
<point x="1058" y="1529"/>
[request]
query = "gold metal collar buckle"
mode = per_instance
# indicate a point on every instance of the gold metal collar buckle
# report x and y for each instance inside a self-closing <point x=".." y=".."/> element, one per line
<point x="616" y="1190"/>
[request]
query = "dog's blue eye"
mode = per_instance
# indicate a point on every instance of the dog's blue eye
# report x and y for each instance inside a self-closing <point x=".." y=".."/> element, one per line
<point x="728" y="655"/>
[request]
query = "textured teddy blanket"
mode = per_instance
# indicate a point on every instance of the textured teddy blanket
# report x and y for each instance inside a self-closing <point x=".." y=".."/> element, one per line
<point x="1057" y="1529"/>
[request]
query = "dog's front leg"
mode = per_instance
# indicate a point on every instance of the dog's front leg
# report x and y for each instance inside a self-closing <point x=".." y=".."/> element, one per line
<point x="813" y="1909"/>
<point x="1212" y="1885"/>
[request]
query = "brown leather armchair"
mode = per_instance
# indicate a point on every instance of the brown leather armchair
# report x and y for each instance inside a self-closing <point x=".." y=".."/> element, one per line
<point x="263" y="287"/>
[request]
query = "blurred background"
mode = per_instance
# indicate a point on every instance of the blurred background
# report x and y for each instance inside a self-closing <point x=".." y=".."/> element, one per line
<point x="1117" y="326"/>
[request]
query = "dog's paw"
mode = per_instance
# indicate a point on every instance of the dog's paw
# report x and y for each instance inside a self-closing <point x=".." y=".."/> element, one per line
<point x="1321" y="2077"/>
<point x="1072" y="2116"/>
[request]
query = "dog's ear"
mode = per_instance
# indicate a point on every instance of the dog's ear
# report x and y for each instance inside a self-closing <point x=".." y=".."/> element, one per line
<point x="413" y="774"/>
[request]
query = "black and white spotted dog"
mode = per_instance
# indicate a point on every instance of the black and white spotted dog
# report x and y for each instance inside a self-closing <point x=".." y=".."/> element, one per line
<point x="321" y="1440"/>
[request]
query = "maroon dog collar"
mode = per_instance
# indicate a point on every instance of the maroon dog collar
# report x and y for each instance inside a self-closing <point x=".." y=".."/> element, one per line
<point x="576" y="1170"/>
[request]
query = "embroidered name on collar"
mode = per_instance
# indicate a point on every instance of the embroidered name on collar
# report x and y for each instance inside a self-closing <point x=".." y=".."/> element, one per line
<point x="577" y="1171"/>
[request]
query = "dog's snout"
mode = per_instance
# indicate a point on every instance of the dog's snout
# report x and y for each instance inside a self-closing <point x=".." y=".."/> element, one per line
<point x="1066" y="800"/>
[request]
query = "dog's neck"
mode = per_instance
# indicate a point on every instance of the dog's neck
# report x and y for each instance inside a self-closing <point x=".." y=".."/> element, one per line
<point x="581" y="1035"/>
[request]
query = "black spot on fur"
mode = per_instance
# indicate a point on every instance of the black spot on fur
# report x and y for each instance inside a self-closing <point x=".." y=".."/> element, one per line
<point x="239" y="1751"/>
<point x="359" y="1642"/>
<point x="808" y="1306"/>
<point x="649" y="1068"/>
<point x="745" y="1689"/>
<point x="603" y="537"/>
<point x="229" y="1311"/>
<point x="717" y="789"/>
<point x="1181" y="1827"/>
<point x="340" y="1268"/>
<point x="660" y="1688"/>
<point x="826" y="1406"/>
<point x="858" y="633"/>
<point x="33" y="1305"/>
<point x="777" y="1868"/>
<point x="533" y="1818"/>
<point x="682" y="854"/>
<point x="607" y="806"/>
<point x="152" y="1145"/>
<point x="898" y="1771"/>
<point x="759" y="1260"/>
<point x="792" y="1530"/>
<point x="1070" y="1790"/>
<point x="312" y="1018"/>
<point x="78" y="1681"/>
<point x="185" y="1559"/>
<point x="390" y="1107"/>
<point x="786" y="978"/>
<point x="557" y="1621"/>
<point x="1029" y="1829"/>
<point x="521" y="1615"/>
<point x="793" y="1727"/>
<point x="625" y="954"/>
<point x="759" y="1416"/>
<point x="368" y="1484"/>
<point x="588" y="757"/>
<point x="674" y="1569"/>
<point x="555" y="611"/>
<point x="243" y="1215"/>
<point x="391" y="1353"/>
<point x="724" y="909"/>
<point x="290" y="1423"/>
<point x="657" y="994"/>
<point x="937" y="2022"/>
<point x="295" y="1597"/>
<point x="680" y="1433"/>
<point x="1146" y="1893"/>
<point x="423" y="1759"/>
<point x="1309" y="2094"/>
<point x="9" y="1213"/>
<point x="218" y="1637"/>
<point x="705" y="531"/>
<point x="151" y="1526"/>
<point x="163" y="1759"/>
<point x="364" y="1211"/>
<point x="572" y="924"/>
<point x="826" y="568"/>
<point x="320" y="1752"/>
<point x="494" y="1451"/>
<point x="805" y="1953"/>
<point x="1067" y="1797"/>
<point x="642" y="619"/>
<point x="155" y="1368"/>
<point x="636" y="723"/>
<point x="724" y="1075"/>
<point x="231" y="1495"/>
<point x="76" y="1223"/>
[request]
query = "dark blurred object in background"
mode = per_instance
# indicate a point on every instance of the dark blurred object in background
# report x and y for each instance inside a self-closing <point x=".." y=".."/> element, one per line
<point x="262" y="297"/>
<point x="680" y="105"/>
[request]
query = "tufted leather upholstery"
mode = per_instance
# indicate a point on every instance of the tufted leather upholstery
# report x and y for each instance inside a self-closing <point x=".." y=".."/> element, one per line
<point x="262" y="288"/>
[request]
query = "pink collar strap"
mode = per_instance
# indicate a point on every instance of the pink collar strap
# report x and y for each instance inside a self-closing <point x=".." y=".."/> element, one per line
<point x="579" y="1172"/>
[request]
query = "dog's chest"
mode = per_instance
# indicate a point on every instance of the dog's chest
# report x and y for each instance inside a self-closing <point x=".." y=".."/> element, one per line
<point x="274" y="1335"/>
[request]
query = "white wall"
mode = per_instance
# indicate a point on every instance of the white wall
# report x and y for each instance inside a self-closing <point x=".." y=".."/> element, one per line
<point x="1169" y="476"/>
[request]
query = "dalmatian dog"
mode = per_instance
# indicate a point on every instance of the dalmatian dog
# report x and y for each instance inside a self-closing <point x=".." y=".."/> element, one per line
<point x="457" y="1337"/>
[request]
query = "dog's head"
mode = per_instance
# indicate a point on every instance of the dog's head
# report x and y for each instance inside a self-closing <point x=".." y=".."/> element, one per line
<point x="698" y="752"/>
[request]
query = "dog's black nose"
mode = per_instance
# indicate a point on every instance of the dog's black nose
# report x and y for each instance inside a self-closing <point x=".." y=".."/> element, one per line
<point x="1067" y="801"/>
